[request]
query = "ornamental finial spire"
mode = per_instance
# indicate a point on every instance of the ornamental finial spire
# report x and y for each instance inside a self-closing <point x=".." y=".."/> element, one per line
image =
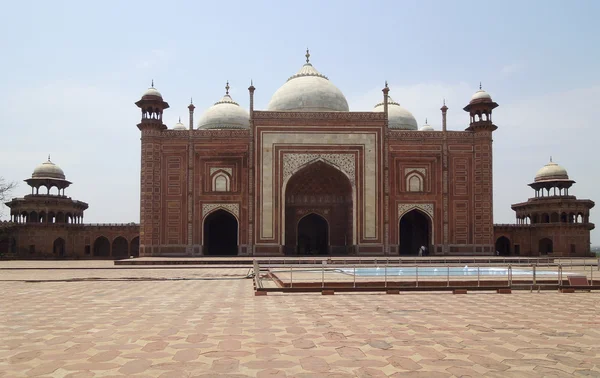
<point x="191" y="100"/>
<point x="227" y="88"/>
<point x="179" y="119"/>
<point x="49" y="158"/>
<point x="152" y="85"/>
<point x="480" y="85"/>
<point x="307" y="56"/>
<point x="426" y="120"/>
<point x="386" y="84"/>
<point x="550" y="158"/>
<point x="444" y="102"/>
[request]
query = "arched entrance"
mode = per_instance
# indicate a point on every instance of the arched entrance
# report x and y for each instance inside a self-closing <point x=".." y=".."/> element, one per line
<point x="503" y="246"/>
<point x="415" y="231"/>
<point x="58" y="248"/>
<point x="220" y="234"/>
<point x="102" y="247"/>
<point x="134" y="250"/>
<point x="119" y="247"/>
<point x="318" y="207"/>
<point x="313" y="235"/>
<point x="545" y="246"/>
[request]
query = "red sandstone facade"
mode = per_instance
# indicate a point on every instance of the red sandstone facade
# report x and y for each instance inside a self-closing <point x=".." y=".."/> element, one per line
<point x="348" y="169"/>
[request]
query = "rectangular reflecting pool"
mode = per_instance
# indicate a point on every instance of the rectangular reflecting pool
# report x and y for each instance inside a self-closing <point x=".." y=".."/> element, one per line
<point x="443" y="272"/>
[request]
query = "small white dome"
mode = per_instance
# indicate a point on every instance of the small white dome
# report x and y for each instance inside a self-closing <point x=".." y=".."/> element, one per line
<point x="179" y="126"/>
<point x="427" y="127"/>
<point x="48" y="170"/>
<point x="152" y="92"/>
<point x="225" y="114"/>
<point x="308" y="91"/>
<point x="481" y="95"/>
<point x="551" y="172"/>
<point x="398" y="116"/>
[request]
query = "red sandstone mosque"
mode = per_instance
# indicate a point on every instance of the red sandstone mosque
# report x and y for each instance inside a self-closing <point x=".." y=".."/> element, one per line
<point x="306" y="176"/>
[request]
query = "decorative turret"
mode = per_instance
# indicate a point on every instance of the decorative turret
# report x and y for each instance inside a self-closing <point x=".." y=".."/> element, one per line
<point x="152" y="106"/>
<point x="48" y="175"/>
<point x="480" y="109"/>
<point x="550" y="178"/>
<point x="47" y="207"/>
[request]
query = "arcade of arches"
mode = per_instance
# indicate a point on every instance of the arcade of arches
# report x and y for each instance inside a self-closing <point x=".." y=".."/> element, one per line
<point x="119" y="248"/>
<point x="318" y="212"/>
<point x="415" y="232"/>
<point x="220" y="234"/>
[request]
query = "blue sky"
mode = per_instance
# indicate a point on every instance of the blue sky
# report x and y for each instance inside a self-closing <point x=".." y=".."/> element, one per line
<point x="71" y="71"/>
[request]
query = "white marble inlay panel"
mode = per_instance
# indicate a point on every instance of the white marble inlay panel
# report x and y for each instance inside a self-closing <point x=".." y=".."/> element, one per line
<point x="233" y="208"/>
<point x="268" y="172"/>
<point x="214" y="169"/>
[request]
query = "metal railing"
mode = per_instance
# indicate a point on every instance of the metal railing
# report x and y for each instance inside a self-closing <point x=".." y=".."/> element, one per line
<point x="400" y="274"/>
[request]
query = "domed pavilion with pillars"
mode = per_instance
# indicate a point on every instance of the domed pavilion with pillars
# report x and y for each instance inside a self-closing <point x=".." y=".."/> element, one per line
<point x="47" y="207"/>
<point x="48" y="224"/>
<point x="552" y="222"/>
<point x="308" y="176"/>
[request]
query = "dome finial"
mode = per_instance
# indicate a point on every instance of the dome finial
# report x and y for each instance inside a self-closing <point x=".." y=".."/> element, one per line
<point x="426" y="120"/>
<point x="480" y="85"/>
<point x="386" y="84"/>
<point x="191" y="100"/>
<point x="179" y="119"/>
<point x="251" y="83"/>
<point x="49" y="158"/>
<point x="444" y="102"/>
<point x="550" y="158"/>
<point x="227" y="88"/>
<point x="307" y="56"/>
<point x="152" y="85"/>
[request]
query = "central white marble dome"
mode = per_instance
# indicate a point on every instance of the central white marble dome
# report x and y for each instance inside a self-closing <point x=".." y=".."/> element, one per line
<point x="308" y="91"/>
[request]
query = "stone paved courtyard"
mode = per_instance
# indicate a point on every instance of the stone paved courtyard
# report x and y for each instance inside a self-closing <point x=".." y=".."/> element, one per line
<point x="123" y="322"/>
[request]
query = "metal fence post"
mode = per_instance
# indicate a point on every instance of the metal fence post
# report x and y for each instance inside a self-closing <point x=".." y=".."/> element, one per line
<point x="417" y="274"/>
<point x="385" y="273"/>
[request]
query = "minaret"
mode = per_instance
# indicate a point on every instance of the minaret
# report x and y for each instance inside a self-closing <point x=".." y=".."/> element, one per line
<point x="444" y="110"/>
<point x="152" y="106"/>
<point x="251" y="91"/>
<point x="480" y="111"/>
<point x="386" y="91"/>
<point x="386" y="174"/>
<point x="191" y="108"/>
<point x="445" y="217"/>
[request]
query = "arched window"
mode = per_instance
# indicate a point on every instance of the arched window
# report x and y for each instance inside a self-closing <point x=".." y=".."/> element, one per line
<point x="221" y="182"/>
<point x="414" y="182"/>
